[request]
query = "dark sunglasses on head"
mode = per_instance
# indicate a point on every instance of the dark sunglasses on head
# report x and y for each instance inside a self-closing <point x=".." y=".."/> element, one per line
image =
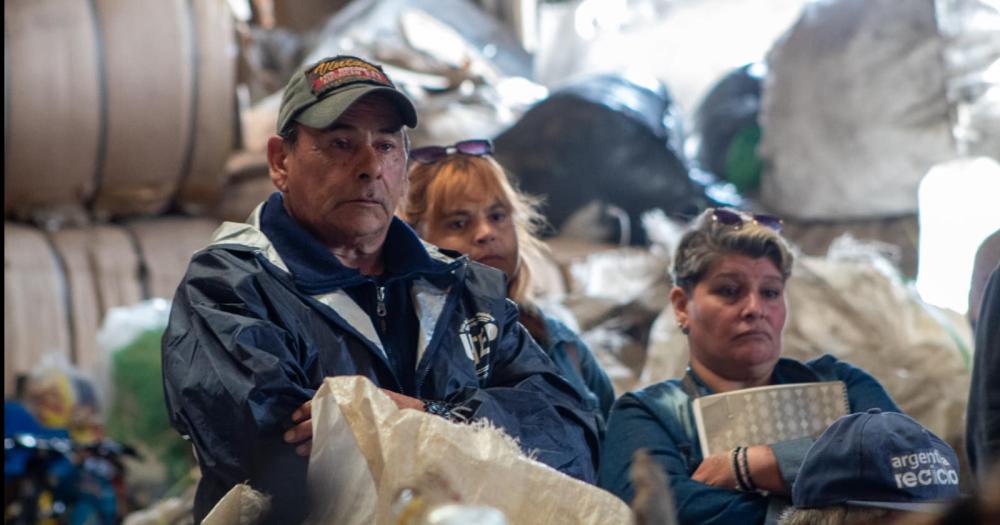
<point x="429" y="154"/>
<point x="736" y="220"/>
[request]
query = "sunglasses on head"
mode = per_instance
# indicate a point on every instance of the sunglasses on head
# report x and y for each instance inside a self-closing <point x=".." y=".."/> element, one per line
<point x="736" y="220"/>
<point x="429" y="154"/>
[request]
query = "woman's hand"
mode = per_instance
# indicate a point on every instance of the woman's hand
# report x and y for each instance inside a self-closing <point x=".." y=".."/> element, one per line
<point x="764" y="470"/>
<point x="302" y="431"/>
<point x="717" y="470"/>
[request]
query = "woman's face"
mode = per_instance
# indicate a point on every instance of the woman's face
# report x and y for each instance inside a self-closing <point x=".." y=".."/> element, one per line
<point x="479" y="225"/>
<point x="734" y="317"/>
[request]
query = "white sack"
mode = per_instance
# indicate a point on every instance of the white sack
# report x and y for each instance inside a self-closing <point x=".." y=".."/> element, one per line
<point x="854" y="110"/>
<point x="480" y="464"/>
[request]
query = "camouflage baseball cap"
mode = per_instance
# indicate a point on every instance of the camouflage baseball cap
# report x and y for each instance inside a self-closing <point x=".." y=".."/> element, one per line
<point x="317" y="95"/>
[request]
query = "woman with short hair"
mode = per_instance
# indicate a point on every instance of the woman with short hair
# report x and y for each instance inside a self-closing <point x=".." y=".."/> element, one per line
<point x="730" y="270"/>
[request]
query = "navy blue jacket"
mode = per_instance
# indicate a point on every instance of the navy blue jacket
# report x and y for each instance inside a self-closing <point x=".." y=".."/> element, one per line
<point x="659" y="418"/>
<point x="257" y="323"/>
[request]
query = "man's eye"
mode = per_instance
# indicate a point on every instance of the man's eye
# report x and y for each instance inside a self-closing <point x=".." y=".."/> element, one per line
<point x="386" y="147"/>
<point x="338" y="143"/>
<point x="456" y="225"/>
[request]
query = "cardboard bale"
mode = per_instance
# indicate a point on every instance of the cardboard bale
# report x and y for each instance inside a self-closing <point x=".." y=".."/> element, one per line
<point x="215" y="106"/>
<point x="166" y="245"/>
<point x="85" y="312"/>
<point x="52" y="121"/>
<point x="35" y="310"/>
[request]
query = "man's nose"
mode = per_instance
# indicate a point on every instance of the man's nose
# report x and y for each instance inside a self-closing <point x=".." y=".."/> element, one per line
<point x="368" y="166"/>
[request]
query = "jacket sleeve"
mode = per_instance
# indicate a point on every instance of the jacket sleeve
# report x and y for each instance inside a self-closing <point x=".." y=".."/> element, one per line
<point x="524" y="395"/>
<point x="231" y="381"/>
<point x="595" y="378"/>
<point x="633" y="426"/>
<point x="983" y="421"/>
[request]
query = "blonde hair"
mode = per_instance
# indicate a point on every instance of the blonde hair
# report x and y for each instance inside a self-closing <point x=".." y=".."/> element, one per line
<point x="450" y="179"/>
<point x="708" y="240"/>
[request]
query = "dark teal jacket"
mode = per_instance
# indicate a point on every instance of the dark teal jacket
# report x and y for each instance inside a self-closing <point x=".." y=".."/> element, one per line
<point x="659" y="418"/>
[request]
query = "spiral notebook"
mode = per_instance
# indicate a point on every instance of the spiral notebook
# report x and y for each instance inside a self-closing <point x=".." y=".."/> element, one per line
<point x="767" y="414"/>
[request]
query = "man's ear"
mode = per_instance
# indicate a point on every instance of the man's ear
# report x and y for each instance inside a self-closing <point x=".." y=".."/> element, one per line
<point x="277" y="158"/>
<point x="679" y="299"/>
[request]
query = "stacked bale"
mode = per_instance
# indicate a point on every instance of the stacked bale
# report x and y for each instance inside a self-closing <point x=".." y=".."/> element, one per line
<point x="114" y="110"/>
<point x="59" y="285"/>
<point x="117" y="108"/>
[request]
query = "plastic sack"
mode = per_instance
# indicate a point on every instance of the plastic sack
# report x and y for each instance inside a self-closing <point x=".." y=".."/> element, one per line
<point x="129" y="340"/>
<point x="854" y="110"/>
<point x="365" y="451"/>
<point x="726" y="132"/>
<point x="611" y="138"/>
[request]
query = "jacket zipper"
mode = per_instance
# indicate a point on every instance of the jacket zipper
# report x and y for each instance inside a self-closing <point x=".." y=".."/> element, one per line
<point x="380" y="306"/>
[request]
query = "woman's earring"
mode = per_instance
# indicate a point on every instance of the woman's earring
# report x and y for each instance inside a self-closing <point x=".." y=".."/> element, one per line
<point x="683" y="327"/>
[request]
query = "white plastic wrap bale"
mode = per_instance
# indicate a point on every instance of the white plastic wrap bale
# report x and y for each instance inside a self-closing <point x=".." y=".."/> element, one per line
<point x="466" y="73"/>
<point x="971" y="31"/>
<point x="365" y="451"/>
<point x="854" y="110"/>
<point x="856" y="307"/>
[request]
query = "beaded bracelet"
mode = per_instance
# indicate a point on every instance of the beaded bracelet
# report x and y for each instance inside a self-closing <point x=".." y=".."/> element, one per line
<point x="740" y="483"/>
<point x="750" y="486"/>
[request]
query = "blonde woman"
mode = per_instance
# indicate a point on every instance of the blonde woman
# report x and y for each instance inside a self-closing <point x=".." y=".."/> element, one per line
<point x="460" y="199"/>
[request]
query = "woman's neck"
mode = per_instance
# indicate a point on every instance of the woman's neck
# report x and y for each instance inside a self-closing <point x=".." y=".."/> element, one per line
<point x="719" y="383"/>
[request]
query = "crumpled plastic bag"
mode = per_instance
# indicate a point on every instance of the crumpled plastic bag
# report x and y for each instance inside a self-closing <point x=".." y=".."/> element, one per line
<point x="242" y="505"/>
<point x="854" y="110"/>
<point x="366" y="450"/>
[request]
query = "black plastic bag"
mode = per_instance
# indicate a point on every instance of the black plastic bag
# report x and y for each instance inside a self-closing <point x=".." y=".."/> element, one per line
<point x="610" y="138"/>
<point x="726" y="128"/>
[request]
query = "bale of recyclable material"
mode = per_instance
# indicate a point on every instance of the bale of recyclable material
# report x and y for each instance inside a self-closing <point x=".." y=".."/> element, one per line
<point x="854" y="110"/>
<point x="116" y="107"/>
<point x="35" y="310"/>
<point x="53" y="108"/>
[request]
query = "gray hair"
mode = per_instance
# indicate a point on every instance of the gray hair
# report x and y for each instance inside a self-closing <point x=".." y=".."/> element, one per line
<point x="708" y="240"/>
<point x="837" y="515"/>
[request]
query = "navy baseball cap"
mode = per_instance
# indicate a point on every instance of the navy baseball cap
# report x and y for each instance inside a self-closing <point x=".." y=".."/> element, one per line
<point x="877" y="459"/>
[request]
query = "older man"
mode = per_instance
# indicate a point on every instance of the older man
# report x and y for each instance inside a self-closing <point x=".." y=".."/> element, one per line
<point x="321" y="281"/>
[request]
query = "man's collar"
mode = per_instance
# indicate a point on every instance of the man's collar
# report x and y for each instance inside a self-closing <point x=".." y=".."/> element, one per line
<point x="316" y="270"/>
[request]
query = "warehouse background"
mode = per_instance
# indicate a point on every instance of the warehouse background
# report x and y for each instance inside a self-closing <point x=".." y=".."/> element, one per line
<point x="133" y="128"/>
